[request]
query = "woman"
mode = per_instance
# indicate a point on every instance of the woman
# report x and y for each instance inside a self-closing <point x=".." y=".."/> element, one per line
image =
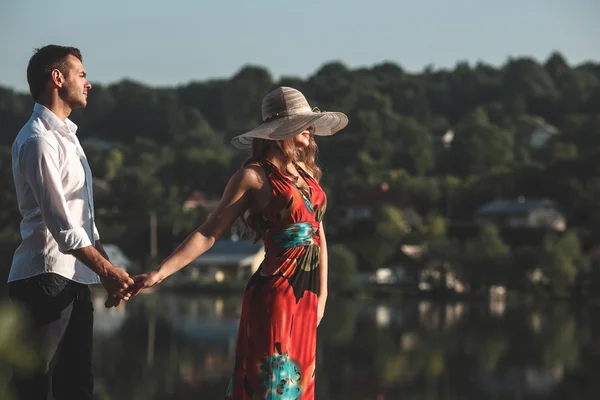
<point x="278" y="196"/>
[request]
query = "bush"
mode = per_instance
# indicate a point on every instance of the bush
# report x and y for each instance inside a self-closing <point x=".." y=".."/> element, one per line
<point x="342" y="267"/>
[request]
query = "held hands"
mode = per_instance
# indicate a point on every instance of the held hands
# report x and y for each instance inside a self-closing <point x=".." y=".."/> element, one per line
<point x="136" y="285"/>
<point x="117" y="283"/>
<point x="145" y="281"/>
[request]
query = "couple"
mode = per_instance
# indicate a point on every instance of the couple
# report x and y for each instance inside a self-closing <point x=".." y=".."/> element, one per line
<point x="276" y="194"/>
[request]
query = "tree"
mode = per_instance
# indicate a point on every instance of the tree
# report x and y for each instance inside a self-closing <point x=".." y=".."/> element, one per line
<point x="479" y="146"/>
<point x="486" y="259"/>
<point x="15" y="109"/>
<point x="243" y="95"/>
<point x="9" y="213"/>
<point x="563" y="262"/>
<point x="158" y="145"/>
<point x="342" y="266"/>
<point x="526" y="78"/>
<point x="380" y="237"/>
<point x="412" y="145"/>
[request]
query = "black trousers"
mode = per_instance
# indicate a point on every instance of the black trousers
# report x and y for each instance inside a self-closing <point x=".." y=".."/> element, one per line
<point x="61" y="312"/>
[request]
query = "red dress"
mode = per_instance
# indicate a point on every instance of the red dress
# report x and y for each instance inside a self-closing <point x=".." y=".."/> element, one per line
<point x="276" y="344"/>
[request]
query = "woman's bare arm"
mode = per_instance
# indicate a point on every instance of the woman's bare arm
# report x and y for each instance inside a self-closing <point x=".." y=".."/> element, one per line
<point x="235" y="201"/>
<point x="323" y="272"/>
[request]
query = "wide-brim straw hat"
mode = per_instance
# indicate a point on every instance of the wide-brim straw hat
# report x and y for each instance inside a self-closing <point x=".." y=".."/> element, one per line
<point x="286" y="113"/>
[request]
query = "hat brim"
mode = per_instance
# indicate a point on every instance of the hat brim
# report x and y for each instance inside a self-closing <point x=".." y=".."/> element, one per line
<point x="325" y="124"/>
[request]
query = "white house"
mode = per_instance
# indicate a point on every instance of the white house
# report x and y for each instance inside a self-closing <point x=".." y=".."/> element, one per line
<point x="541" y="136"/>
<point x="535" y="213"/>
<point x="227" y="260"/>
<point x="116" y="256"/>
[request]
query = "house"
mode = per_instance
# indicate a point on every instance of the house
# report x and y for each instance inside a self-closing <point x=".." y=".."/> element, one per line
<point x="442" y="138"/>
<point x="228" y="259"/>
<point x="403" y="268"/>
<point x="541" y="135"/>
<point x="198" y="200"/>
<point x="116" y="256"/>
<point x="364" y="205"/>
<point x="521" y="381"/>
<point x="522" y="213"/>
<point x="445" y="139"/>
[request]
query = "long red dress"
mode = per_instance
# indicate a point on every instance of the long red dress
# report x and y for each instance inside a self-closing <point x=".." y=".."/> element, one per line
<point x="276" y="344"/>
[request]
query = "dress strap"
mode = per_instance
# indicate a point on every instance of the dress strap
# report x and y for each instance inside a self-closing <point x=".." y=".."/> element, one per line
<point x="286" y="180"/>
<point x="303" y="172"/>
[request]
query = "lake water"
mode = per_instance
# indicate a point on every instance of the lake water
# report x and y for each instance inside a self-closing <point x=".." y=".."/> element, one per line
<point x="163" y="346"/>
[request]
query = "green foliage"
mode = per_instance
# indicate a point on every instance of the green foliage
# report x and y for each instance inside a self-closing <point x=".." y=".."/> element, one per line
<point x="15" y="351"/>
<point x="155" y="146"/>
<point x="480" y="146"/>
<point x="563" y="262"/>
<point x="436" y="225"/>
<point x="377" y="239"/>
<point x="486" y="258"/>
<point x="342" y="266"/>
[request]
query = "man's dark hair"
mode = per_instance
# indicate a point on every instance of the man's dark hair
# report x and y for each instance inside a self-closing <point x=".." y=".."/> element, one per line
<point x="44" y="61"/>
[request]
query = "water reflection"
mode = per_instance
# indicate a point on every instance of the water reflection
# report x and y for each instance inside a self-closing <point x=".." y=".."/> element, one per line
<point x="177" y="347"/>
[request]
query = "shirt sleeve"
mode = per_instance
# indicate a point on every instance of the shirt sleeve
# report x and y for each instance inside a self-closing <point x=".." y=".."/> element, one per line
<point x="96" y="234"/>
<point x="39" y="164"/>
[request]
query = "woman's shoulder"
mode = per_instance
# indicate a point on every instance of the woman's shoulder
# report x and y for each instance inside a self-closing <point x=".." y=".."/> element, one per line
<point x="252" y="174"/>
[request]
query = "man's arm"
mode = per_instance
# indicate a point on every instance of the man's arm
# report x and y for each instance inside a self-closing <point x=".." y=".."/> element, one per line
<point x="123" y="293"/>
<point x="40" y="166"/>
<point x="98" y="245"/>
<point x="100" y="248"/>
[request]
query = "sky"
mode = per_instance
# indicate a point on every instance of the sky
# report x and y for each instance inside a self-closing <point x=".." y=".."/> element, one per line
<point x="167" y="43"/>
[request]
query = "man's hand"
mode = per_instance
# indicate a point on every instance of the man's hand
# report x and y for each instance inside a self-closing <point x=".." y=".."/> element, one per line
<point x="118" y="286"/>
<point x="114" y="301"/>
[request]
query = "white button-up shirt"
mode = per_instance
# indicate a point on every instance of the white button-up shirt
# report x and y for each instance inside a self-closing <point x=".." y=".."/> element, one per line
<point x="54" y="191"/>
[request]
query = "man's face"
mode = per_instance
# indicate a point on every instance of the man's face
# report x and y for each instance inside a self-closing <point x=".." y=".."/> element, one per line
<point x="75" y="88"/>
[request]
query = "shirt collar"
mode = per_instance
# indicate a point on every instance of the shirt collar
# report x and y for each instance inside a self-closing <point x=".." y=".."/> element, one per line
<point x="55" y="123"/>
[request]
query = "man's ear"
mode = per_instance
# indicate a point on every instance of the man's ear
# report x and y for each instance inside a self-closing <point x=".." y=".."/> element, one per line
<point x="57" y="77"/>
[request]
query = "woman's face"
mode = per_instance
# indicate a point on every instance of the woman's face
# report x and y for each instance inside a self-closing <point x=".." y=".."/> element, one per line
<point x="302" y="139"/>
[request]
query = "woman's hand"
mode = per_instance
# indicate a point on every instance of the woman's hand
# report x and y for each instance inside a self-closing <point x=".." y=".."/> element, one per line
<point x="146" y="280"/>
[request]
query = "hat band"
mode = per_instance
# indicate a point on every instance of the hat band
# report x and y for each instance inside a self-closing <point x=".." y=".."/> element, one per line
<point x="284" y="114"/>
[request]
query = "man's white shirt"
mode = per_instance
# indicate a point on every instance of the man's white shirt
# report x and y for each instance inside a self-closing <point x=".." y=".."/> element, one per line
<point x="53" y="181"/>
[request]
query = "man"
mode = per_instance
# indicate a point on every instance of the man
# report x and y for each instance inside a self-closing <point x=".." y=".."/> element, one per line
<point x="60" y="253"/>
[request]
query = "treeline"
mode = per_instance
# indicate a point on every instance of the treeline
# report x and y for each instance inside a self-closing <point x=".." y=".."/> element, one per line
<point x="443" y="142"/>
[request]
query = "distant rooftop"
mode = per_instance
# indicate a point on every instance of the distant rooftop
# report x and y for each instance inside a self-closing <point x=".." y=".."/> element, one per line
<point x="516" y="206"/>
<point x="199" y="199"/>
<point x="229" y="246"/>
<point x="116" y="255"/>
<point x="227" y="251"/>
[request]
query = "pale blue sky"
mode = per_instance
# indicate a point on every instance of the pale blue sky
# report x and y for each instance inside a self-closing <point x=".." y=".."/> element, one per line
<point x="164" y="43"/>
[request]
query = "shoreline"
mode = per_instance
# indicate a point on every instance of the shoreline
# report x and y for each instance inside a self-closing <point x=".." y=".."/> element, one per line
<point x="387" y="292"/>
